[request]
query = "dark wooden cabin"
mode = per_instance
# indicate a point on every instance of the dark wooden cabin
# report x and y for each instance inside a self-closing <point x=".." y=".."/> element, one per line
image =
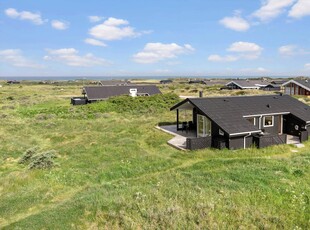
<point x="297" y="87"/>
<point x="240" y="122"/>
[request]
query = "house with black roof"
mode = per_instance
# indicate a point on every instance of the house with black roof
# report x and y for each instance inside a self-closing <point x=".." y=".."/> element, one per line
<point x="240" y="122"/>
<point x="271" y="87"/>
<point x="168" y="81"/>
<point x="297" y="87"/>
<point x="99" y="93"/>
<point x="114" y="82"/>
<point x="246" y="84"/>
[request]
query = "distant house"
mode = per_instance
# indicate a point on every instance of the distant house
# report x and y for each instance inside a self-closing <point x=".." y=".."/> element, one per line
<point x="278" y="82"/>
<point x="246" y="84"/>
<point x="196" y="82"/>
<point x="114" y="82"/>
<point x="297" y="87"/>
<point x="13" y="82"/>
<point x="271" y="87"/>
<point x="240" y="122"/>
<point x="165" y="81"/>
<point x="97" y="93"/>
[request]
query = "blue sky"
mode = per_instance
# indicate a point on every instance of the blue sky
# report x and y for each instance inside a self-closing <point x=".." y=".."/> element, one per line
<point x="155" y="38"/>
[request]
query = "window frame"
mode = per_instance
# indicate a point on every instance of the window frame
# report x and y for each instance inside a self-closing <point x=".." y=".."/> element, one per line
<point x="272" y="121"/>
<point x="206" y="122"/>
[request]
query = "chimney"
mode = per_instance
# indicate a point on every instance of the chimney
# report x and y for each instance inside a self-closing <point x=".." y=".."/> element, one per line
<point x="200" y="94"/>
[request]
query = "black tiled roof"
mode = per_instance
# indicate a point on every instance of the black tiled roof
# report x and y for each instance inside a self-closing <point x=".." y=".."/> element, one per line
<point x="229" y="112"/>
<point x="104" y="92"/>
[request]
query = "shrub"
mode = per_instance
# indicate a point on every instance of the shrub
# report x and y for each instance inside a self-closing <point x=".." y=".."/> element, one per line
<point x="43" y="160"/>
<point x="38" y="160"/>
<point x="28" y="154"/>
<point x="240" y="93"/>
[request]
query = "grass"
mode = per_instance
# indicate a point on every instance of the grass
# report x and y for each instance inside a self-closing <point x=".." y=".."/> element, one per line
<point x="115" y="170"/>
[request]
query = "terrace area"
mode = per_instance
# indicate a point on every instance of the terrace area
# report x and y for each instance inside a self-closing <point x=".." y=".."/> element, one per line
<point x="180" y="136"/>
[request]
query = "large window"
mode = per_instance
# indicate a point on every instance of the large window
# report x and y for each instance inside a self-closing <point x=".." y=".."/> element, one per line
<point x="203" y="126"/>
<point x="268" y="121"/>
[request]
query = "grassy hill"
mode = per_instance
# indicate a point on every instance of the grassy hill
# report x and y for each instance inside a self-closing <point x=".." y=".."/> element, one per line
<point x="114" y="170"/>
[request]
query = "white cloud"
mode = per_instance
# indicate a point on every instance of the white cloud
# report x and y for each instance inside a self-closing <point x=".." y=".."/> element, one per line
<point x="235" y="23"/>
<point x="95" y="18"/>
<point x="60" y="25"/>
<point x="271" y="9"/>
<point x="218" y="58"/>
<point x="246" y="50"/>
<point x="244" y="47"/>
<point x="15" y="57"/>
<point x="71" y="57"/>
<point x="242" y="50"/>
<point x="94" y="42"/>
<point x="114" y="29"/>
<point x="300" y="9"/>
<point x="287" y="50"/>
<point x="35" y="18"/>
<point x="307" y="65"/>
<point x="258" y="70"/>
<point x="291" y="50"/>
<point x="162" y="71"/>
<point x="155" y="52"/>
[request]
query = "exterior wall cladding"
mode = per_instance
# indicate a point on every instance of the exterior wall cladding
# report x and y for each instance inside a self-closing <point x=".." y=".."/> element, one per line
<point x="273" y="138"/>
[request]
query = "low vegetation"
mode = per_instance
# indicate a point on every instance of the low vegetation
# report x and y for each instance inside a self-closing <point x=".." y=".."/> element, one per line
<point x="114" y="169"/>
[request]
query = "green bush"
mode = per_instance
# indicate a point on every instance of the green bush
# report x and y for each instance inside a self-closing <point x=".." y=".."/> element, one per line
<point x="29" y="153"/>
<point x="44" y="160"/>
<point x="38" y="160"/>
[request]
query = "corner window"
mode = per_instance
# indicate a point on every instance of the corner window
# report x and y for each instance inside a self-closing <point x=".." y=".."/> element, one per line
<point x="203" y="126"/>
<point x="268" y="121"/>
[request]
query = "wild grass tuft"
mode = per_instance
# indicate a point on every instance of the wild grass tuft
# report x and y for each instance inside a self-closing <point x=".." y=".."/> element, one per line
<point x="35" y="159"/>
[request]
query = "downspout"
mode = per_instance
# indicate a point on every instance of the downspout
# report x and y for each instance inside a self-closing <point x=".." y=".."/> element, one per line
<point x="306" y="128"/>
<point x="244" y="140"/>
<point x="260" y="122"/>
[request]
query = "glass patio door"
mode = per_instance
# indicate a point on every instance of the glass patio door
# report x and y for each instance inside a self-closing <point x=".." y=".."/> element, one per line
<point x="203" y="126"/>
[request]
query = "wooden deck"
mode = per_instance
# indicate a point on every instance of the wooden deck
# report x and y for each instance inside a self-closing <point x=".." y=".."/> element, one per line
<point x="179" y="141"/>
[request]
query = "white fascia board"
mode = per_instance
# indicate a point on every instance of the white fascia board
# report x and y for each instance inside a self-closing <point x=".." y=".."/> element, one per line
<point x="242" y="133"/>
<point x="266" y="114"/>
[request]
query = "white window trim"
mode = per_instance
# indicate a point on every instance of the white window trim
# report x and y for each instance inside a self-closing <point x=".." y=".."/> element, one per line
<point x="272" y="119"/>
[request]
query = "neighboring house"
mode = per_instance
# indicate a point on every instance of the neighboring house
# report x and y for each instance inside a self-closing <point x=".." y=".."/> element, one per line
<point x="271" y="87"/>
<point x="13" y="82"/>
<point x="278" y="82"/>
<point x="114" y="82"/>
<point x="196" y="82"/>
<point x="240" y="122"/>
<point x="246" y="84"/>
<point x="97" y="93"/>
<point x="165" y="81"/>
<point x="297" y="87"/>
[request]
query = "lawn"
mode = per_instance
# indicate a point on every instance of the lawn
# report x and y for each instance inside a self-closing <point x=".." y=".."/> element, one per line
<point x="114" y="169"/>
